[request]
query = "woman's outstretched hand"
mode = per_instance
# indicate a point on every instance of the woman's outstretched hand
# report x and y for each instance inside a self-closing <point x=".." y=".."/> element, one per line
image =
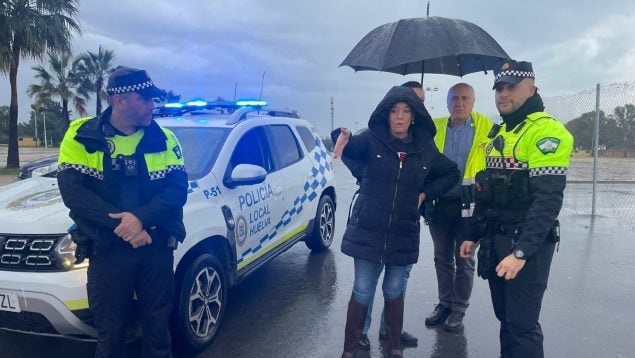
<point x="342" y="141"/>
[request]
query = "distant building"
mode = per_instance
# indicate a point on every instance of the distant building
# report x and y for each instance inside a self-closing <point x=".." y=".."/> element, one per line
<point x="27" y="141"/>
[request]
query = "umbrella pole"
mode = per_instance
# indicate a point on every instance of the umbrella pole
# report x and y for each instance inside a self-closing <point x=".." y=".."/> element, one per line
<point x="423" y="65"/>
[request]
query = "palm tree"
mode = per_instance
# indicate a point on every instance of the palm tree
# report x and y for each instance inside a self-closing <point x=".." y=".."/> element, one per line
<point x="61" y="82"/>
<point x="93" y="68"/>
<point x="29" y="29"/>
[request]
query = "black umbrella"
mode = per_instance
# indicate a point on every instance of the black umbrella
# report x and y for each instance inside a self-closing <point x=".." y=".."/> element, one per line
<point x="427" y="45"/>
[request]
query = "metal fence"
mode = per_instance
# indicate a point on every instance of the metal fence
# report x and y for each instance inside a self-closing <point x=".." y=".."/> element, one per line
<point x="601" y="180"/>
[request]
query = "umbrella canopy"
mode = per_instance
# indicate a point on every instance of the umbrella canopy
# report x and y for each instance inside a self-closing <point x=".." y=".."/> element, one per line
<point x="427" y="45"/>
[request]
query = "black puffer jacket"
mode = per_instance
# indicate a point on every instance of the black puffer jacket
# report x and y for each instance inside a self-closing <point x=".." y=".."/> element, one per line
<point x="385" y="221"/>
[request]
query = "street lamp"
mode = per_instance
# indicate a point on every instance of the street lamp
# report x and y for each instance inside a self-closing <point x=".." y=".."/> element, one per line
<point x="431" y="89"/>
<point x="35" y="125"/>
<point x="46" y="146"/>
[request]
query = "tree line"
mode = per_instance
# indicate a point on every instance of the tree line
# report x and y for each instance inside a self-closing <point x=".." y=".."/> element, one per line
<point x="31" y="29"/>
<point x="616" y="130"/>
<point x="43" y="30"/>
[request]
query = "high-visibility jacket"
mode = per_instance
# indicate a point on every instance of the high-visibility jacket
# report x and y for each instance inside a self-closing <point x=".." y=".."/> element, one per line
<point x="475" y="159"/>
<point x="86" y="180"/>
<point x="539" y="149"/>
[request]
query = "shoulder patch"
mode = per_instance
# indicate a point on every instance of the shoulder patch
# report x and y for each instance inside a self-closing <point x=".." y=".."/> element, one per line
<point x="548" y="145"/>
<point x="489" y="147"/>
<point x="111" y="145"/>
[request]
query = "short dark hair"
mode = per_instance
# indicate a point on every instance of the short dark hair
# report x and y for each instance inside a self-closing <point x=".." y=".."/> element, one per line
<point x="412" y="84"/>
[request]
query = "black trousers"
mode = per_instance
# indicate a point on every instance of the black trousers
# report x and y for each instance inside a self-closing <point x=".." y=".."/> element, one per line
<point x="113" y="280"/>
<point x="455" y="275"/>
<point x="517" y="302"/>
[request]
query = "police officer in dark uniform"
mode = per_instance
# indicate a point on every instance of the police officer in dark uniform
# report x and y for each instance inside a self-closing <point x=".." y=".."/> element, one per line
<point x="123" y="178"/>
<point x="518" y="198"/>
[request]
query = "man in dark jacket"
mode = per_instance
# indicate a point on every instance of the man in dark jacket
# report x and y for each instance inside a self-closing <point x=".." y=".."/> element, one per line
<point x="123" y="178"/>
<point x="403" y="167"/>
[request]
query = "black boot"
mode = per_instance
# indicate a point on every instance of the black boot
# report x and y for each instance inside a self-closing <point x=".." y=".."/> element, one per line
<point x="355" y="318"/>
<point x="393" y="314"/>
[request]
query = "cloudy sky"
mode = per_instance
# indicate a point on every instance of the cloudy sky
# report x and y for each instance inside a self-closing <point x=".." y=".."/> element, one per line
<point x="207" y="48"/>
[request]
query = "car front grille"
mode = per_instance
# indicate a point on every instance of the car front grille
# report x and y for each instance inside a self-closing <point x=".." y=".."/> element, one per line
<point x="26" y="322"/>
<point x="29" y="253"/>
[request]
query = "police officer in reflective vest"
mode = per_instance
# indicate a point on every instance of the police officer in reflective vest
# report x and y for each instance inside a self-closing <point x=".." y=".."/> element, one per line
<point x="123" y="178"/>
<point x="518" y="197"/>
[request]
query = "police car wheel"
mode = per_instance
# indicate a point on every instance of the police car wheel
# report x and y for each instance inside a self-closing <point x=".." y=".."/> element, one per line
<point x="201" y="303"/>
<point x="323" y="227"/>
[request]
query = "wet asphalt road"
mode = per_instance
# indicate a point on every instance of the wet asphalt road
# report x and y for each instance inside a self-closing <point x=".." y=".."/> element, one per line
<point x="295" y="306"/>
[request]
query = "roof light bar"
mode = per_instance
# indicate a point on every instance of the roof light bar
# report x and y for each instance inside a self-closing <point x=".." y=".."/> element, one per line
<point x="251" y="103"/>
<point x="197" y="103"/>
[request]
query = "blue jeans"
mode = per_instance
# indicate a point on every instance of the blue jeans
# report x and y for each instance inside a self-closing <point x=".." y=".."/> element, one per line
<point x="366" y="277"/>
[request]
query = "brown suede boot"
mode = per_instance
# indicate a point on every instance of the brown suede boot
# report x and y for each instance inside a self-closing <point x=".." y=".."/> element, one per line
<point x="393" y="314"/>
<point x="355" y="318"/>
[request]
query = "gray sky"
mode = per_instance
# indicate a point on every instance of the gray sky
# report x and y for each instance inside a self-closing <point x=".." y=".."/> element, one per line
<point x="202" y="48"/>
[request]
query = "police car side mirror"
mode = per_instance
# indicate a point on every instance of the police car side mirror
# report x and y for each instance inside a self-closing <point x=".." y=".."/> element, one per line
<point x="246" y="174"/>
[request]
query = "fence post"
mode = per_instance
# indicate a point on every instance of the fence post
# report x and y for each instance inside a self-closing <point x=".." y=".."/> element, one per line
<point x="596" y="136"/>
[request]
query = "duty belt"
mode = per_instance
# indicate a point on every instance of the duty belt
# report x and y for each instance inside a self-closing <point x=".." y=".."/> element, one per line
<point x="505" y="229"/>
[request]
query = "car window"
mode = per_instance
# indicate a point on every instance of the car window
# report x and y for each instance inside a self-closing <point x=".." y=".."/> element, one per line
<point x="284" y="146"/>
<point x="252" y="149"/>
<point x="200" y="148"/>
<point x="307" y="137"/>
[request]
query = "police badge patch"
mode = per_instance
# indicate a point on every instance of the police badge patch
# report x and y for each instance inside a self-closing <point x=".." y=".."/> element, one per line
<point x="489" y="147"/>
<point x="548" y="145"/>
<point x="111" y="145"/>
<point x="177" y="152"/>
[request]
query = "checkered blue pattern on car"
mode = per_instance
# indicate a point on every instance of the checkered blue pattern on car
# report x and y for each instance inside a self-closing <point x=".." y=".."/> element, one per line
<point x="321" y="166"/>
<point x="191" y="186"/>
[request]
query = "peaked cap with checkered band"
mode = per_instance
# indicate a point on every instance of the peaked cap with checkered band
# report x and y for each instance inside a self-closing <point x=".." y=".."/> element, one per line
<point x="513" y="72"/>
<point x="126" y="80"/>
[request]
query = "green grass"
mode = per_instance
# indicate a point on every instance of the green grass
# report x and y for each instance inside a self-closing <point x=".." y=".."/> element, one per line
<point x="9" y="171"/>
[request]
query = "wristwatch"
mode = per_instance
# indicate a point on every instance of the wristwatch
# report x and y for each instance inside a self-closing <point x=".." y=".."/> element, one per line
<point x="519" y="254"/>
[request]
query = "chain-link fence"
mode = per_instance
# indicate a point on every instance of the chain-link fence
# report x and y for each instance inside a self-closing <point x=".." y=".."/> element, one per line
<point x="605" y="187"/>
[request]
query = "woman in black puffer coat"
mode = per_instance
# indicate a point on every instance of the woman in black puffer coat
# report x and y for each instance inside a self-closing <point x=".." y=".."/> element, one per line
<point x="402" y="167"/>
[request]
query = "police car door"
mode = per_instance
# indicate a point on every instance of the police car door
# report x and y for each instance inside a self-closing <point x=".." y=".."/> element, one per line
<point x="257" y="208"/>
<point x="289" y="159"/>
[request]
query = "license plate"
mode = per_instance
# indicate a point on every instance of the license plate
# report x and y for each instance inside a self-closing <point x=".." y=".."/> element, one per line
<point x="9" y="301"/>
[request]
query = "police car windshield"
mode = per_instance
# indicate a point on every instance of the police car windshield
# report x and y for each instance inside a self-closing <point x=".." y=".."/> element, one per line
<point x="200" y="148"/>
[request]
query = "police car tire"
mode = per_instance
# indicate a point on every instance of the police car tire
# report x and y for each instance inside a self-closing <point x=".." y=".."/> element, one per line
<point x="206" y="265"/>
<point x="321" y="237"/>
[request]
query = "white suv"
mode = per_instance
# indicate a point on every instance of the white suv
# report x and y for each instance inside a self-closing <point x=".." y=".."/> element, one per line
<point x="259" y="181"/>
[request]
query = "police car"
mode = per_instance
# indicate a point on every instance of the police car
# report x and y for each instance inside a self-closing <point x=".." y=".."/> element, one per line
<point x="260" y="180"/>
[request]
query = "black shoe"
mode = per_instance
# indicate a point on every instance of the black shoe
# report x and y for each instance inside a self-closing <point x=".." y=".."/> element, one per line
<point x="439" y="314"/>
<point x="408" y="340"/>
<point x="364" y="343"/>
<point x="454" y="321"/>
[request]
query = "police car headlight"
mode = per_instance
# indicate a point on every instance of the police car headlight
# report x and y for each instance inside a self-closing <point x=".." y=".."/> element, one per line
<point x="43" y="170"/>
<point x="65" y="252"/>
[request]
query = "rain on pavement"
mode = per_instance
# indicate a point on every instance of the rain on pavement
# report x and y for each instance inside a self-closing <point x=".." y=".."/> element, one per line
<point x="295" y="306"/>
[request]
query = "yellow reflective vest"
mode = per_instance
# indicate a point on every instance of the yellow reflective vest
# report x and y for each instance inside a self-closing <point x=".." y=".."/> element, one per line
<point x="476" y="158"/>
<point x="539" y="144"/>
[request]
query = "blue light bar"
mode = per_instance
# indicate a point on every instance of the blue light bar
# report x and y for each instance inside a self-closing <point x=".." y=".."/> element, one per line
<point x="197" y="103"/>
<point x="251" y="103"/>
<point x="173" y="105"/>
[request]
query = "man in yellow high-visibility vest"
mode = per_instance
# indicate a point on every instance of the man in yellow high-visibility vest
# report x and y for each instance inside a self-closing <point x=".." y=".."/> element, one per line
<point x="461" y="137"/>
